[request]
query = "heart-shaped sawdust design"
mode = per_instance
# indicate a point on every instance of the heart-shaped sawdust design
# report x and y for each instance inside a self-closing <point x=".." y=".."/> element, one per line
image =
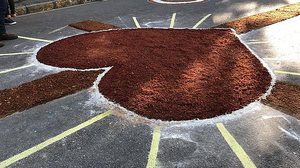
<point x="167" y="74"/>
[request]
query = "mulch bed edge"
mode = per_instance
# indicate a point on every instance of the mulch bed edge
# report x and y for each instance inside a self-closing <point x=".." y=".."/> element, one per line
<point x="285" y="97"/>
<point x="261" y="20"/>
<point x="43" y="90"/>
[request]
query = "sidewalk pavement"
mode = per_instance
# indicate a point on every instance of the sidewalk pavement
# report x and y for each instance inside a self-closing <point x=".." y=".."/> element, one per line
<point x="33" y="6"/>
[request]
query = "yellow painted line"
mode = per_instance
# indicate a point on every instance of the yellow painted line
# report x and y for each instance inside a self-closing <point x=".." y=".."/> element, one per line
<point x="173" y="20"/>
<point x="19" y="53"/>
<point x="136" y="22"/>
<point x="289" y="73"/>
<point x="201" y="21"/>
<point x="236" y="148"/>
<point x="50" y="141"/>
<point x="154" y="148"/>
<point x="35" y="39"/>
<point x="15" y="69"/>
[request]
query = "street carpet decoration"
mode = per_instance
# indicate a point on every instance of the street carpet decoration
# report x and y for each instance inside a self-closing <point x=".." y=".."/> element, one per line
<point x="167" y="74"/>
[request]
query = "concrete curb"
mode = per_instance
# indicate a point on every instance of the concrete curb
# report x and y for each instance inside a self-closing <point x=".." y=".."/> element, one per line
<point x="46" y="6"/>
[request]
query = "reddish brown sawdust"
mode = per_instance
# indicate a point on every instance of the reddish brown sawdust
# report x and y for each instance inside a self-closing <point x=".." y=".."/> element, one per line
<point x="43" y="90"/>
<point x="286" y="98"/>
<point x="90" y="25"/>
<point x="260" y="20"/>
<point x="167" y="74"/>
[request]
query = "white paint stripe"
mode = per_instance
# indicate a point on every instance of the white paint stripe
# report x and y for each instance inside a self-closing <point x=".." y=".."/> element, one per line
<point x="56" y="30"/>
<point x="173" y="20"/>
<point x="15" y="69"/>
<point x="257" y="42"/>
<point x="35" y="39"/>
<point x="20" y="53"/>
<point x="136" y="22"/>
<point x="291" y="134"/>
<point x="122" y="21"/>
<point x="201" y="21"/>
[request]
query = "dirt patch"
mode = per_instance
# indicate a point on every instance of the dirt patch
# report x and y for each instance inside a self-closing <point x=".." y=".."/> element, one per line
<point x="286" y="98"/>
<point x="167" y="74"/>
<point x="260" y="20"/>
<point x="43" y="90"/>
<point x="90" y="25"/>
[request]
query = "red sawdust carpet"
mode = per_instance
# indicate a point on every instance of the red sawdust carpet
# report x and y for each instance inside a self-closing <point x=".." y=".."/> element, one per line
<point x="167" y="74"/>
<point x="42" y="90"/>
<point x="260" y="20"/>
<point x="286" y="98"/>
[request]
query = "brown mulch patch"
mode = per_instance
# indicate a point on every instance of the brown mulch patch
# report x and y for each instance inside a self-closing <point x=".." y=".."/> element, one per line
<point x="90" y="25"/>
<point x="43" y="90"/>
<point x="260" y="20"/>
<point x="167" y="74"/>
<point x="286" y="98"/>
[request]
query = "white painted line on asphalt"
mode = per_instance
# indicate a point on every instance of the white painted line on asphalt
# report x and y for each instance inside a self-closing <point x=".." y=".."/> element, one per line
<point x="56" y="30"/>
<point x="19" y="53"/>
<point x="136" y="22"/>
<point x="15" y="69"/>
<point x="201" y="21"/>
<point x="35" y="39"/>
<point x="173" y="20"/>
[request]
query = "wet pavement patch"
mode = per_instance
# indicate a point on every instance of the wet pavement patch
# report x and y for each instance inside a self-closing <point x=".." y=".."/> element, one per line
<point x="167" y="74"/>
<point x="44" y="90"/>
<point x="286" y="98"/>
<point x="90" y="25"/>
<point x="260" y="20"/>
